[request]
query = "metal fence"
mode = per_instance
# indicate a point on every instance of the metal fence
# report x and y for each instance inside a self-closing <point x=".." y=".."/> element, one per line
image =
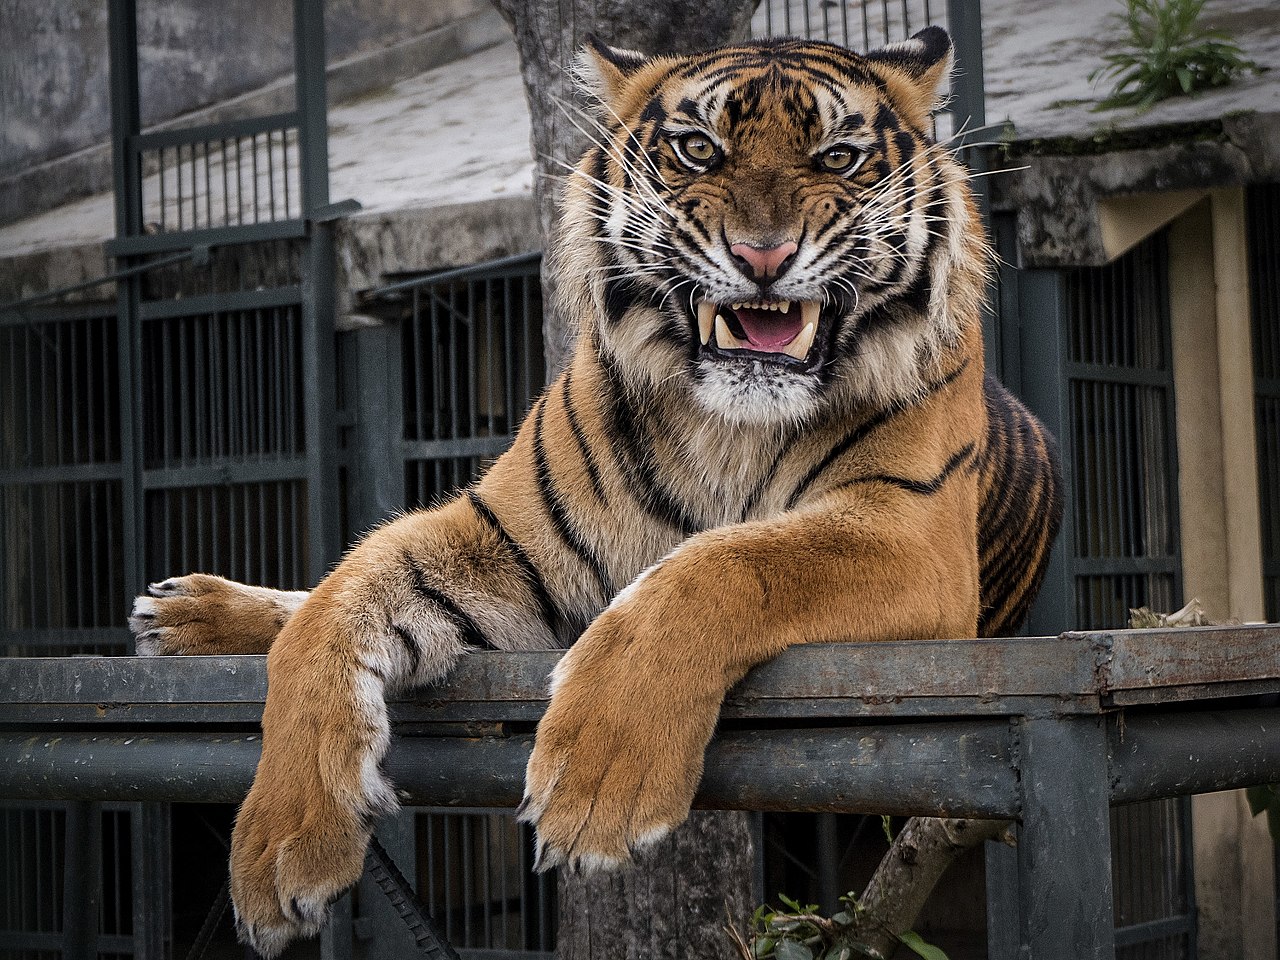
<point x="1120" y="377"/>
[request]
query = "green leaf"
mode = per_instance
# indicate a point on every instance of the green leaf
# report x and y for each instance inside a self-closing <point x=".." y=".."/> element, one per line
<point x="793" y="904"/>
<point x="762" y="947"/>
<point x="885" y="825"/>
<point x="920" y="948"/>
<point x="1184" y="78"/>
<point x="790" y="950"/>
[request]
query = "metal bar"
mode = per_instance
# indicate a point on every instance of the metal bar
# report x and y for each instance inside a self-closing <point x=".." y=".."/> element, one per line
<point x="450" y="448"/>
<point x="1154" y="930"/>
<point x="64" y="473"/>
<point x="1170" y="755"/>
<point x="318" y="366"/>
<point x="493" y="269"/>
<point x="831" y="680"/>
<point x="217" y="303"/>
<point x="13" y="314"/>
<point x="212" y="237"/>
<point x="961" y="767"/>
<point x="1003" y="897"/>
<point x="226" y="474"/>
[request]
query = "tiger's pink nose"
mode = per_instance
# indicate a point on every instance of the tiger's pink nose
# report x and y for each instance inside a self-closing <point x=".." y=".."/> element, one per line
<point x="765" y="263"/>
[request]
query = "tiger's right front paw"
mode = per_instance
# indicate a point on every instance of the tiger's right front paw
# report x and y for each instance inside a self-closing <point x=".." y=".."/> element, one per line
<point x="200" y="614"/>
<point x="300" y="836"/>
<point x="292" y="856"/>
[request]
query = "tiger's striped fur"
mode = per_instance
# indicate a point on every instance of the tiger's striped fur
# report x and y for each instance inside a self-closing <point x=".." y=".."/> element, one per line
<point x="689" y="493"/>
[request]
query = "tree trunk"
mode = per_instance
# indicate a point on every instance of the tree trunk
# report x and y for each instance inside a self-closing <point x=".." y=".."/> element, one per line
<point x="548" y="35"/>
<point x="673" y="902"/>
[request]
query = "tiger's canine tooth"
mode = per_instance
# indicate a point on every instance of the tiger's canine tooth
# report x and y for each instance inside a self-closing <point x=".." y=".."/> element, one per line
<point x="724" y="339"/>
<point x="799" y="347"/>
<point x="706" y="320"/>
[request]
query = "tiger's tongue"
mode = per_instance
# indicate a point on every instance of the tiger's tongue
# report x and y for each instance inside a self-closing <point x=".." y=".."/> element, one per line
<point x="769" y="329"/>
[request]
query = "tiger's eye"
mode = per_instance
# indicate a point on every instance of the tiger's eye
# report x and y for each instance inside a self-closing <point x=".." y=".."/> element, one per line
<point x="698" y="147"/>
<point x="837" y="159"/>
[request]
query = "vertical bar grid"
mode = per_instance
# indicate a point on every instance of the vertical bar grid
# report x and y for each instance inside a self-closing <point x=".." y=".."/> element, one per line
<point x="472" y="352"/>
<point x="1120" y="387"/>
<point x="61" y="557"/>
<point x="475" y="876"/>
<point x="864" y="25"/>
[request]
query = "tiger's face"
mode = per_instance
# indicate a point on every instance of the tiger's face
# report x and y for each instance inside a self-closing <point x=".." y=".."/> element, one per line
<point x="770" y="225"/>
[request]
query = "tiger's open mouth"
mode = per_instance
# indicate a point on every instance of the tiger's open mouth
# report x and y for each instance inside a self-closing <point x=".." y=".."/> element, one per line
<point x="786" y="332"/>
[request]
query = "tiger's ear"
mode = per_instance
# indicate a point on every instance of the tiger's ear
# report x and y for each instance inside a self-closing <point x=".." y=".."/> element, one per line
<point x="917" y="70"/>
<point x="602" y="71"/>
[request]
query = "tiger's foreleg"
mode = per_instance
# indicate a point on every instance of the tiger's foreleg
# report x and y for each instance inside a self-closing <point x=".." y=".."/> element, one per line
<point x="398" y="611"/>
<point x="619" y="752"/>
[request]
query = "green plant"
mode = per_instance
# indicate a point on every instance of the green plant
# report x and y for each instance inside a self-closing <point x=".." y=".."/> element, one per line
<point x="801" y="933"/>
<point x="1168" y="53"/>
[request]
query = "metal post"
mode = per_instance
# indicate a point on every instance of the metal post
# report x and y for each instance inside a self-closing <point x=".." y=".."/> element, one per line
<point x="1064" y="841"/>
<point x="336" y="937"/>
<point x="1042" y="299"/>
<point x="319" y="394"/>
<point x="1003" y="896"/>
<point x="152" y="881"/>
<point x="83" y="879"/>
<point x="378" y="461"/>
<point x="125" y="125"/>
<point x="968" y="91"/>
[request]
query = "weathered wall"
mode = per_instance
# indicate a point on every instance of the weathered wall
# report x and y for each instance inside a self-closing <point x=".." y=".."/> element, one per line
<point x="54" y="95"/>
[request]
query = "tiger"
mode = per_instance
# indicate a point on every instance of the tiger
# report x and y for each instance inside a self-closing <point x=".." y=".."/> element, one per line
<point x="775" y="428"/>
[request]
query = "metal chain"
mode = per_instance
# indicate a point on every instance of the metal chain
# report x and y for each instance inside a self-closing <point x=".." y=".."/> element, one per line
<point x="383" y="871"/>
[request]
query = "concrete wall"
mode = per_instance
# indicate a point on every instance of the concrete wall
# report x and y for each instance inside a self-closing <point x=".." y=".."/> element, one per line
<point x="54" y="95"/>
<point x="1221" y="550"/>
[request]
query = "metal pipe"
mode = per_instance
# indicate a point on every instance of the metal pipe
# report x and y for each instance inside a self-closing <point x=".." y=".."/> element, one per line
<point x="1169" y="755"/>
<point x="964" y="769"/>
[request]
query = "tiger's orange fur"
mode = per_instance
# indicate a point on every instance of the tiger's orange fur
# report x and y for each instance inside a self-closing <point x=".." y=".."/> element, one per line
<point x="687" y="493"/>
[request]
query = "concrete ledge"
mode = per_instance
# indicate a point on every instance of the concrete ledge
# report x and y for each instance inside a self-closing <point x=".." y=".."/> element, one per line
<point x="370" y="250"/>
<point x="32" y="274"/>
<point x="373" y="248"/>
<point x="1061" y="197"/>
<point x="89" y="171"/>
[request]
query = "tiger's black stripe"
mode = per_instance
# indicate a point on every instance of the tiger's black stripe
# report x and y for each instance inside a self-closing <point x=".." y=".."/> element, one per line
<point x="620" y="295"/>
<point x="410" y="646"/>
<point x="580" y="437"/>
<point x="924" y="488"/>
<point x="547" y="608"/>
<point x="556" y="509"/>
<point x="862" y="430"/>
<point x="470" y="631"/>
<point x="636" y="460"/>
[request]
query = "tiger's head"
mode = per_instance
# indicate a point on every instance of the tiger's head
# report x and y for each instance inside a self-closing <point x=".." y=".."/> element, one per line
<point x="770" y="225"/>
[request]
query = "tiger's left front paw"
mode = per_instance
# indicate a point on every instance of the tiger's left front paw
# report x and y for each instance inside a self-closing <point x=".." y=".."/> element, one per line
<point x="618" y="754"/>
